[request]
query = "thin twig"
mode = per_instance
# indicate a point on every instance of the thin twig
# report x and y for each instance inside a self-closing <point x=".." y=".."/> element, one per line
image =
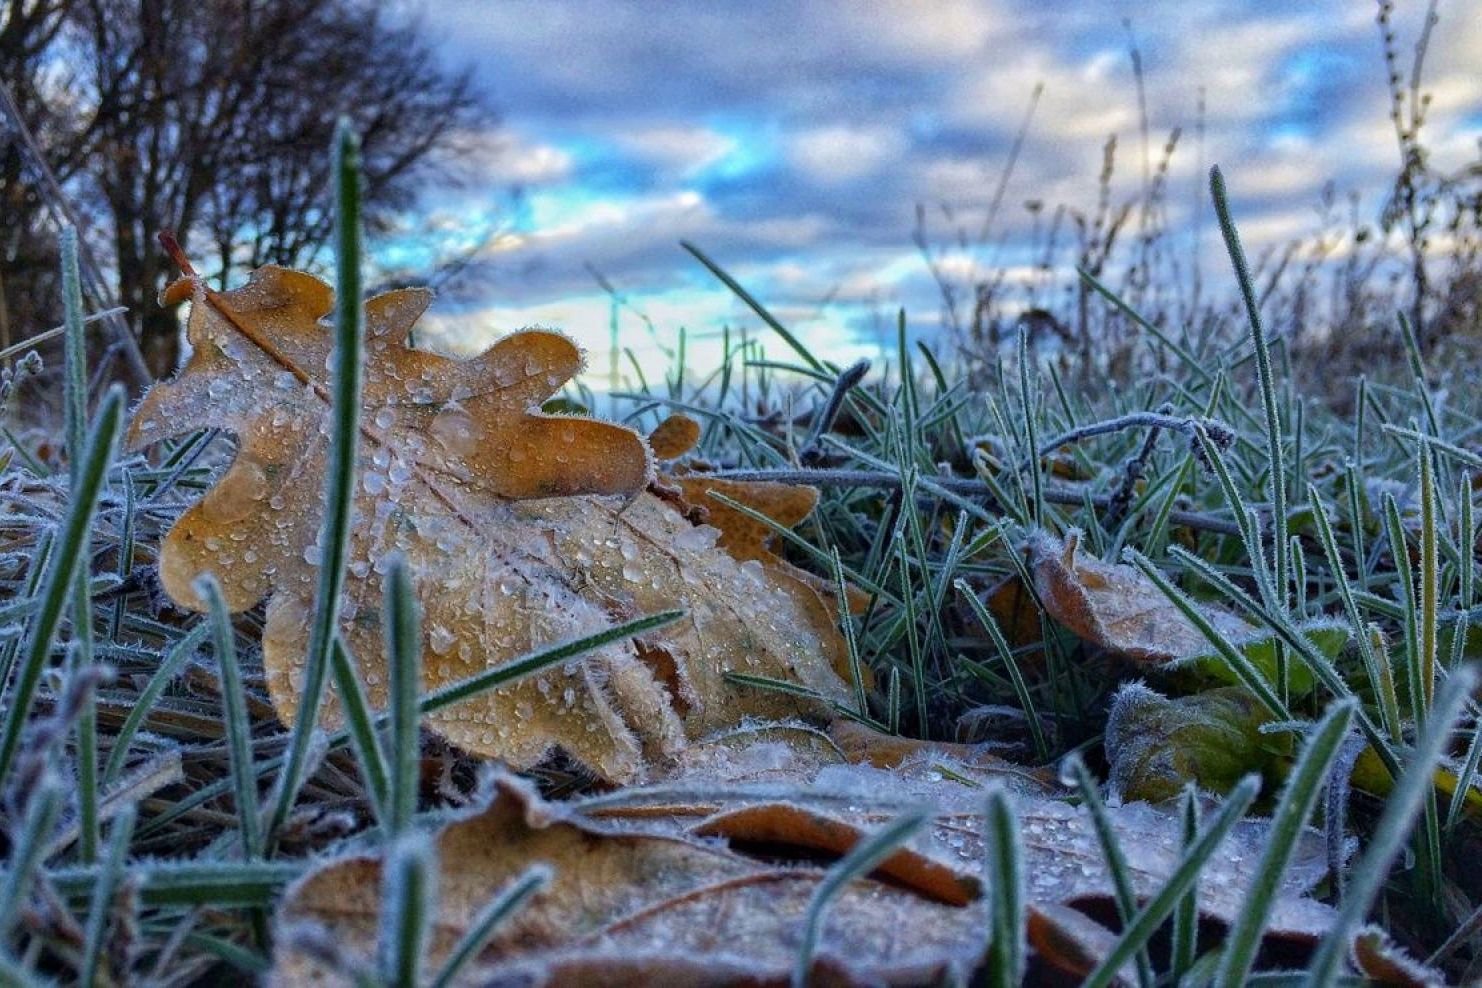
<point x="1132" y="472"/>
<point x="31" y="342"/>
<point x="843" y="384"/>
<point x="1135" y="420"/>
<point x="959" y="485"/>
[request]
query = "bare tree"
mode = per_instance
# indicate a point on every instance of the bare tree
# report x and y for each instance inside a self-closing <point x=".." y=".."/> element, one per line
<point x="213" y="118"/>
<point x="28" y="253"/>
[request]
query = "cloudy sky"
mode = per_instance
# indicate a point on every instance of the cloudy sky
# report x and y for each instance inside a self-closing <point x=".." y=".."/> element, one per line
<point x="794" y="141"/>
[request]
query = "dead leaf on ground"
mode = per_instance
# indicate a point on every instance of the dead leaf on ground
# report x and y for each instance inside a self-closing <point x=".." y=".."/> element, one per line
<point x="674" y="437"/>
<point x="701" y="880"/>
<point x="522" y="529"/>
<point x="1155" y="745"/>
<point x="1117" y="608"/>
<point x="1383" y="962"/>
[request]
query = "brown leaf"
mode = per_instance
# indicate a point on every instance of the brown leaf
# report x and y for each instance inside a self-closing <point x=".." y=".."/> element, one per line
<point x="1383" y="962"/>
<point x="1071" y="942"/>
<point x="674" y="437"/>
<point x="1117" y="608"/>
<point x="501" y="514"/>
<point x="631" y="892"/>
<point x="861" y="745"/>
<point x="699" y="879"/>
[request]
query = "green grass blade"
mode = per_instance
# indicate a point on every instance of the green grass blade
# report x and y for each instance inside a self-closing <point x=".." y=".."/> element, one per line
<point x="25" y="854"/>
<point x="1016" y="676"/>
<point x="1250" y="677"/>
<point x="1111" y="853"/>
<point x="65" y="560"/>
<point x="238" y="726"/>
<point x="755" y="306"/>
<point x="536" y="661"/>
<point x="1336" y="572"/>
<point x="505" y="904"/>
<point x="1400" y="811"/>
<point x="360" y="727"/>
<point x="408" y="908"/>
<point x="225" y="885"/>
<point x="404" y="653"/>
<point x="1005" y="881"/>
<point x="170" y="663"/>
<point x="74" y="399"/>
<point x="1031" y="431"/>
<point x="1293" y="810"/>
<point x="1267" y="383"/>
<point x="851" y="638"/>
<point x="1138" y="932"/>
<point x="862" y="859"/>
<point x="454" y="693"/>
<point x="1186" y="913"/>
<point x="334" y="538"/>
<point x="102" y="905"/>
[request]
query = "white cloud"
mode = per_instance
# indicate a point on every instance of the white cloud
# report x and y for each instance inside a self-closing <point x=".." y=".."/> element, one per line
<point x="843" y="154"/>
<point x="680" y="149"/>
<point x="507" y="158"/>
<point x="791" y="141"/>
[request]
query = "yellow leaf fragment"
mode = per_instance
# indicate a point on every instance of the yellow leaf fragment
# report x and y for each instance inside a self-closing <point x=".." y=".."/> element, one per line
<point x="521" y="530"/>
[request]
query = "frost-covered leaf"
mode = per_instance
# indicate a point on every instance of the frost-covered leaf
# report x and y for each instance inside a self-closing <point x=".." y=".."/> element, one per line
<point x="1384" y="962"/>
<point x="521" y="529"/>
<point x="1157" y="744"/>
<point x="695" y="880"/>
<point x="1118" y="608"/>
<point x="674" y="437"/>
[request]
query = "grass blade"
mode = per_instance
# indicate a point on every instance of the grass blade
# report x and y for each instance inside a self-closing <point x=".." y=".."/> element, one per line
<point x="169" y="667"/>
<point x="408" y="907"/>
<point x="1111" y="853"/>
<point x="862" y="859"/>
<point x="1137" y="933"/>
<point x="108" y="880"/>
<point x="404" y="653"/>
<point x="360" y="727"/>
<point x="1276" y="474"/>
<point x="1016" y="676"/>
<point x="1005" y="879"/>
<point x="62" y="566"/>
<point x="25" y="854"/>
<point x="1388" y="839"/>
<point x="1186" y="913"/>
<point x="334" y="539"/>
<point x="755" y="306"/>
<point x="1298" y="799"/>
<point x="238" y="726"/>
<point x="504" y="905"/>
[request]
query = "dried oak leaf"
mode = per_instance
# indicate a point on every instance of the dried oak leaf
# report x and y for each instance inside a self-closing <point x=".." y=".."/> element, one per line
<point x="747" y="538"/>
<point x="1118" y="608"/>
<point x="706" y="881"/>
<point x="521" y="529"/>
